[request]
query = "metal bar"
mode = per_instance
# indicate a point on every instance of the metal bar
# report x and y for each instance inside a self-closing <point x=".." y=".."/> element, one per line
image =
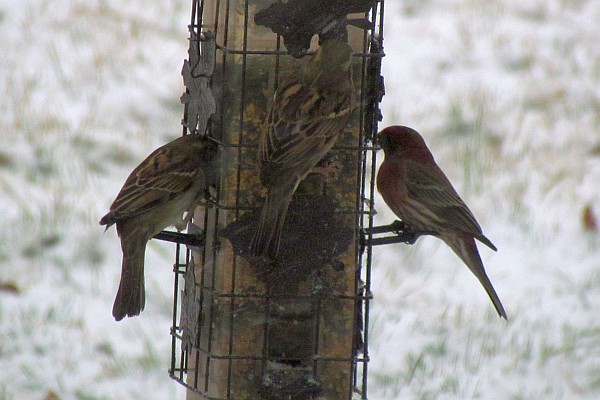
<point x="196" y="240"/>
<point x="232" y="302"/>
<point x="175" y="297"/>
<point x="335" y="147"/>
<point x="258" y="295"/>
<point x="278" y="358"/>
<point x="390" y="240"/>
<point x="404" y="234"/>
<point x="227" y="50"/>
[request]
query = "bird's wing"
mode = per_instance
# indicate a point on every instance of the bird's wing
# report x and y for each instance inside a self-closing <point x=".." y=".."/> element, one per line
<point x="302" y="121"/>
<point x="431" y="187"/>
<point x="160" y="177"/>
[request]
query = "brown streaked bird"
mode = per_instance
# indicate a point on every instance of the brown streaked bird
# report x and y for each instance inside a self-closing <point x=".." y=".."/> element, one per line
<point x="420" y="194"/>
<point x="170" y="181"/>
<point x="306" y="116"/>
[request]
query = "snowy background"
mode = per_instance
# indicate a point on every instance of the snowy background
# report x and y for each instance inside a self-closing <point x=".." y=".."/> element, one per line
<point x="507" y="95"/>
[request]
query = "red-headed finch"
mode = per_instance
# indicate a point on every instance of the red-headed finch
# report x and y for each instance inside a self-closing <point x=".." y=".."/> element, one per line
<point x="306" y="116"/>
<point x="170" y="181"/>
<point x="420" y="194"/>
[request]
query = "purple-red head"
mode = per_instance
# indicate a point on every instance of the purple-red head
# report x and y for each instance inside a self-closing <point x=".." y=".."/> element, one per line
<point x="403" y="141"/>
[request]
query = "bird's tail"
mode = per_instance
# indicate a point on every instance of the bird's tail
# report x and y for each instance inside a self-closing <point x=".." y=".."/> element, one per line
<point x="131" y="297"/>
<point x="466" y="249"/>
<point x="267" y="237"/>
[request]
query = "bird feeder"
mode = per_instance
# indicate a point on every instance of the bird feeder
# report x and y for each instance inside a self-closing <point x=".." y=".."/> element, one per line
<point x="295" y="327"/>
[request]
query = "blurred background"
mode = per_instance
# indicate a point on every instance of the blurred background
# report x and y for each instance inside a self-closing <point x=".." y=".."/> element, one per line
<point x="507" y="96"/>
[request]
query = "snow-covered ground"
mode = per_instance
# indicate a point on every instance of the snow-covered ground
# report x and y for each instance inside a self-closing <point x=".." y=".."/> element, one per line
<point x="507" y="95"/>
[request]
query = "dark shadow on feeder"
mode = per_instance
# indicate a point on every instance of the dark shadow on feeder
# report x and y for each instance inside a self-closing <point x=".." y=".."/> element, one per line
<point x="281" y="382"/>
<point x="312" y="239"/>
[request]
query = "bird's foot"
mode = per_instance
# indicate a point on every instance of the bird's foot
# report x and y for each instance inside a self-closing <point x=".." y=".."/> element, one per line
<point x="407" y="232"/>
<point x="210" y="197"/>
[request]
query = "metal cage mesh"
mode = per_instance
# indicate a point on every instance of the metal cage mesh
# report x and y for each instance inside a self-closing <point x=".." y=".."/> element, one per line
<point x="224" y="325"/>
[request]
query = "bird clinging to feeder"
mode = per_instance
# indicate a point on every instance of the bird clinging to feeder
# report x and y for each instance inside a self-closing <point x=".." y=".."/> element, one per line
<point x="170" y="181"/>
<point x="306" y="116"/>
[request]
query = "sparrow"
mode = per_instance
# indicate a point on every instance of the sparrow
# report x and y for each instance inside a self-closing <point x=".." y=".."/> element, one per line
<point x="307" y="114"/>
<point x="171" y="181"/>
